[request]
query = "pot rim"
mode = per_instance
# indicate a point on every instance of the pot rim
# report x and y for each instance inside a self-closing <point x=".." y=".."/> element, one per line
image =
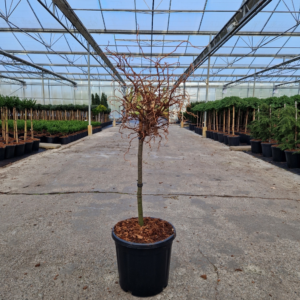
<point x="144" y="246"/>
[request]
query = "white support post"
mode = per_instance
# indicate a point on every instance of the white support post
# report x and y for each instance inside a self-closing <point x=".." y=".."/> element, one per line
<point x="206" y="96"/>
<point x="114" y="122"/>
<point x="253" y="95"/>
<point x="90" y="130"/>
<point x="24" y="86"/>
<point x="43" y="87"/>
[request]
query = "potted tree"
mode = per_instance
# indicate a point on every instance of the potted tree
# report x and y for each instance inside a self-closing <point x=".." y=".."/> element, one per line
<point x="143" y="244"/>
<point x="264" y="128"/>
<point x="289" y="124"/>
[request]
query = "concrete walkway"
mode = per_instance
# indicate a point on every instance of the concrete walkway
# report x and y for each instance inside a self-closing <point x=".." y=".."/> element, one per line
<point x="237" y="220"/>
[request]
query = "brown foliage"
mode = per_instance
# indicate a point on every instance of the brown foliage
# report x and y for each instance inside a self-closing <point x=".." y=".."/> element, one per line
<point x="152" y="99"/>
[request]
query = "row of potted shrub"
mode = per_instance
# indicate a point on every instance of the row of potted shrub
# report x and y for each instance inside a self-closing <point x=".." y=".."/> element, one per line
<point x="273" y="130"/>
<point x="28" y="108"/>
<point x="13" y="149"/>
<point x="62" y="132"/>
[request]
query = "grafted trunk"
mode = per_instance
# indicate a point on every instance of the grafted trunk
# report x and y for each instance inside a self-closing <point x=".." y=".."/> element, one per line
<point x="140" y="183"/>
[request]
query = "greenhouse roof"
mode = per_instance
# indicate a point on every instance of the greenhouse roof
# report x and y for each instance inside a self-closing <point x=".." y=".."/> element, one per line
<point x="263" y="45"/>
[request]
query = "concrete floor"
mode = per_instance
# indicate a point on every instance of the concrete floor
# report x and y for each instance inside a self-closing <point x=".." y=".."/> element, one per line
<point x="237" y="220"/>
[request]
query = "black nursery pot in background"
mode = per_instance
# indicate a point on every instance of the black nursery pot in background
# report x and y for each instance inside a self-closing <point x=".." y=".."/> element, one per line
<point x="266" y="149"/>
<point x="256" y="146"/>
<point x="36" y="145"/>
<point x="233" y="140"/>
<point x="208" y="134"/>
<point x="28" y="147"/>
<point x="2" y="153"/>
<point x="10" y="151"/>
<point x="215" y="136"/>
<point x="278" y="154"/>
<point x="143" y="268"/>
<point x="20" y="149"/>
<point x="292" y="159"/>
<point x="221" y="137"/>
<point x="225" y="137"/>
<point x="191" y="126"/>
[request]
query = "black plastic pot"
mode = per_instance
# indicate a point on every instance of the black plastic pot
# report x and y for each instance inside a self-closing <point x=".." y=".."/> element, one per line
<point x="292" y="159"/>
<point x="220" y="137"/>
<point x="242" y="138"/>
<point x="143" y="268"/>
<point x="196" y="130"/>
<point x="10" y="151"/>
<point x="49" y="139"/>
<point x="256" y="146"/>
<point x="248" y="139"/>
<point x="65" y="140"/>
<point x="208" y="134"/>
<point x="278" y="154"/>
<point x="266" y="149"/>
<point x="28" y="147"/>
<point x="191" y="126"/>
<point x="215" y="136"/>
<point x="225" y="137"/>
<point x="20" y="149"/>
<point x="56" y="140"/>
<point x="233" y="140"/>
<point x="36" y="145"/>
<point x="2" y="153"/>
<point x="200" y="131"/>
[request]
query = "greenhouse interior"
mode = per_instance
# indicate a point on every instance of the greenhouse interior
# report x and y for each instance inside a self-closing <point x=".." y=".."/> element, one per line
<point x="150" y="148"/>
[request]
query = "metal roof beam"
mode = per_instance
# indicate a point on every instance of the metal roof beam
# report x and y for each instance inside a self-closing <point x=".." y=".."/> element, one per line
<point x="66" y="9"/>
<point x="246" y="12"/>
<point x="146" y="32"/>
<point x="12" y="78"/>
<point x="188" y="82"/>
<point x="153" y="54"/>
<point x="278" y="66"/>
<point x="148" y="67"/>
<point x="25" y="62"/>
<point x="153" y="75"/>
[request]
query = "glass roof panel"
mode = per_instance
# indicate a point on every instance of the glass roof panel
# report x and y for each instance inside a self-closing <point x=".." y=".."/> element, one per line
<point x="185" y="21"/>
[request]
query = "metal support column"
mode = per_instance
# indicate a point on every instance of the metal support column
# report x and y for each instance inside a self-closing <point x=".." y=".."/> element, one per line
<point x="43" y="87"/>
<point x="90" y="130"/>
<point x="299" y="89"/>
<point x="206" y="96"/>
<point x="24" y="86"/>
<point x="74" y="88"/>
<point x="114" y="122"/>
<point x="253" y="95"/>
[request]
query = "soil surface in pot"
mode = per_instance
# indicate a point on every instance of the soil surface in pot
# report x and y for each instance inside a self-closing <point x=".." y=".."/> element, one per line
<point x="154" y="230"/>
<point x="231" y="135"/>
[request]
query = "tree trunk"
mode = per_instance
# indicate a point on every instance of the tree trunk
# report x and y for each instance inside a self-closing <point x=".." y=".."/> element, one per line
<point x="140" y="183"/>
<point x="247" y="113"/>
<point x="238" y="121"/>
<point x="224" y="120"/>
<point x="16" y="127"/>
<point x="31" y="123"/>
<point x="217" y="123"/>
<point x="25" y="125"/>
<point x="6" y="127"/>
<point x="253" y="114"/>
<point x="3" y="124"/>
<point x="229" y="120"/>
<point x="233" y="119"/>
